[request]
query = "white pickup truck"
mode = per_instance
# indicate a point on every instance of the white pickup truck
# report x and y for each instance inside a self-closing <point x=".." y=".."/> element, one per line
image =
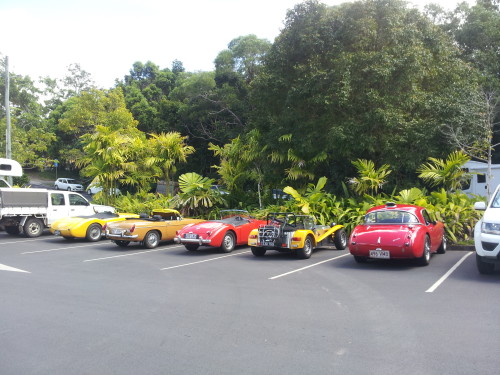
<point x="32" y="210"/>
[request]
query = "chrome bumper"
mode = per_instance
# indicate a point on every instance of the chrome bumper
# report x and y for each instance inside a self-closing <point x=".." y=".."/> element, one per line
<point x="121" y="236"/>
<point x="199" y="241"/>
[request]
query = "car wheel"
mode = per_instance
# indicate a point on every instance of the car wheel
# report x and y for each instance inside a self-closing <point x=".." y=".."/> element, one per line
<point x="360" y="259"/>
<point x="13" y="230"/>
<point x="258" y="251"/>
<point x="56" y="187"/>
<point x="151" y="240"/>
<point x="444" y="245"/>
<point x="228" y="242"/>
<point x="306" y="251"/>
<point x="483" y="267"/>
<point x="191" y="247"/>
<point x="340" y="239"/>
<point x="33" y="227"/>
<point x="426" y="255"/>
<point x="94" y="232"/>
<point x="69" y="189"/>
<point x="122" y="243"/>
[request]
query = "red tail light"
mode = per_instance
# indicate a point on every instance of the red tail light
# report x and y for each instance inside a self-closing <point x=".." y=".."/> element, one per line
<point x="104" y="227"/>
<point x="132" y="229"/>
<point x="295" y="238"/>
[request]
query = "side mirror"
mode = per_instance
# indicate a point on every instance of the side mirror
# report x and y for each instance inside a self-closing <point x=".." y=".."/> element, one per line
<point x="480" y="206"/>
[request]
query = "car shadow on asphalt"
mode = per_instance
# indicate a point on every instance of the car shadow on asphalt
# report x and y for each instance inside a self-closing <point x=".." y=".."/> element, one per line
<point x="378" y="264"/>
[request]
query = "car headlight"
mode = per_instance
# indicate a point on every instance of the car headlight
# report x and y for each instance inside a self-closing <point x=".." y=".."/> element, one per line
<point x="490" y="228"/>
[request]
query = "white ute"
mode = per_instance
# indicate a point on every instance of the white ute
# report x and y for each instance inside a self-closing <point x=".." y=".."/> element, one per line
<point x="487" y="235"/>
<point x="32" y="210"/>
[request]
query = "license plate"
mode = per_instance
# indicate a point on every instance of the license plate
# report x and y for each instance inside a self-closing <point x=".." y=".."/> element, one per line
<point x="190" y="235"/>
<point x="57" y="232"/>
<point x="380" y="254"/>
<point x="116" y="231"/>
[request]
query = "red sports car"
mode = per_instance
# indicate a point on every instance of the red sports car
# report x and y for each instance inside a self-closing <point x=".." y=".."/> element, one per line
<point x="231" y="230"/>
<point x="397" y="231"/>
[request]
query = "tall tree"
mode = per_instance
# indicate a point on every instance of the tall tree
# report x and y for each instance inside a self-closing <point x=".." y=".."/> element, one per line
<point x="367" y="79"/>
<point x="31" y="135"/>
<point x="165" y="150"/>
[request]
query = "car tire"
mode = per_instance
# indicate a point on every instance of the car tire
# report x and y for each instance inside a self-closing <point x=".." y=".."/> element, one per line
<point x="56" y="187"/>
<point x="13" y="230"/>
<point x="444" y="245"/>
<point x="33" y="227"/>
<point x="228" y="242"/>
<point x="69" y="189"/>
<point x="360" y="259"/>
<point x="191" y="246"/>
<point x="94" y="232"/>
<point x="340" y="239"/>
<point x="306" y="251"/>
<point x="122" y="243"/>
<point x="483" y="267"/>
<point x="426" y="254"/>
<point x="151" y="239"/>
<point x="258" y="251"/>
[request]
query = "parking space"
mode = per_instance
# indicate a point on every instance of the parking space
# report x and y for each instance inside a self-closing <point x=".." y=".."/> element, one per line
<point x="134" y="310"/>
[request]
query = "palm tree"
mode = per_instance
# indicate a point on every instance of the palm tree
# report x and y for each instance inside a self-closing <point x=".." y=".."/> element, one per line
<point x="196" y="194"/>
<point x="447" y="173"/>
<point x="370" y="179"/>
<point x="106" y="159"/>
<point x="165" y="150"/>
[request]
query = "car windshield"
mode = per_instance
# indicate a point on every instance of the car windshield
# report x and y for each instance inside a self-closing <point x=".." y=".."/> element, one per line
<point x="495" y="203"/>
<point x="390" y="217"/>
<point x="227" y="214"/>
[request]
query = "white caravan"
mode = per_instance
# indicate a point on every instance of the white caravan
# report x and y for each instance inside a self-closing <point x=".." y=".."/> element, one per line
<point x="477" y="182"/>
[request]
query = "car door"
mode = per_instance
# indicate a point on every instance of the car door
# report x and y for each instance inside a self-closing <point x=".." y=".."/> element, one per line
<point x="59" y="207"/>
<point x="172" y="225"/>
<point x="78" y="205"/>
<point x="434" y="232"/>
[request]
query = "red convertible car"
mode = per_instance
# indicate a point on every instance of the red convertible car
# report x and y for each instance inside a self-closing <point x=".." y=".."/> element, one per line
<point x="397" y="231"/>
<point x="231" y="230"/>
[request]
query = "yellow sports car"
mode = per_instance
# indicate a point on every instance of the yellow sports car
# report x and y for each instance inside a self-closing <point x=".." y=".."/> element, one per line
<point x="88" y="227"/>
<point x="149" y="231"/>
<point x="299" y="234"/>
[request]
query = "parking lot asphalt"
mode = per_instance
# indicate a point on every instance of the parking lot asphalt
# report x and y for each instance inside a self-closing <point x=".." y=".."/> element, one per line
<point x="73" y="307"/>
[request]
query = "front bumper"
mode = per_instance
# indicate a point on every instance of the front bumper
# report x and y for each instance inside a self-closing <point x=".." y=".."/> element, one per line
<point x="487" y="245"/>
<point x="199" y="241"/>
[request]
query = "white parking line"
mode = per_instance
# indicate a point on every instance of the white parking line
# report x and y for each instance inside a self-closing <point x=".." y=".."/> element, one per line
<point x="4" y="267"/>
<point x="304" y="268"/>
<point x="59" y="248"/>
<point x="124" y="255"/>
<point x="203" y="261"/>
<point x="22" y="240"/>
<point x="445" y="276"/>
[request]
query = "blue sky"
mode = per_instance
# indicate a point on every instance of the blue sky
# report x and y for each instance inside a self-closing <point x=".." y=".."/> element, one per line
<point x="43" y="37"/>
